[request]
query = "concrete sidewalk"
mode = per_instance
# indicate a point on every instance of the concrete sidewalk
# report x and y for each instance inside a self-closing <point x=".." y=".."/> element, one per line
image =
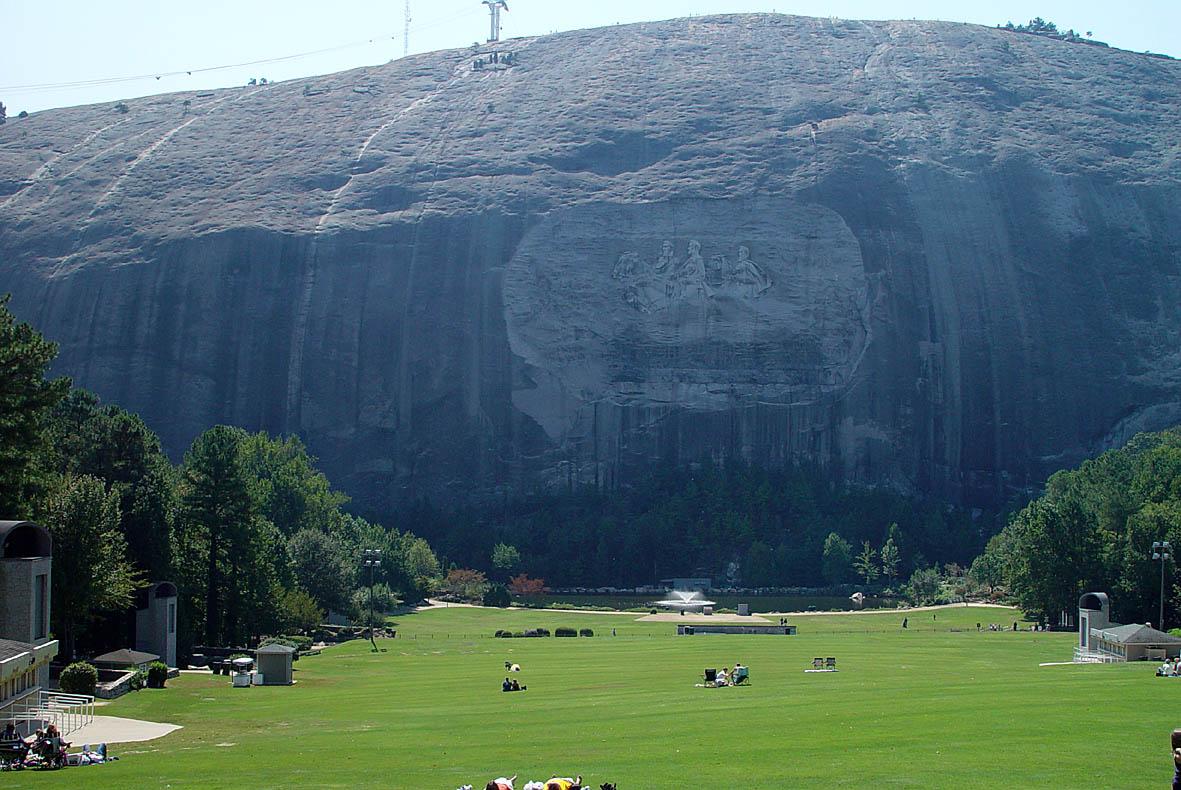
<point x="113" y="729"/>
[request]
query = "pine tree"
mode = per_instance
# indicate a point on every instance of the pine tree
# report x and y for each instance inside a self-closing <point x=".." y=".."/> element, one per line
<point x="218" y="518"/>
<point x="26" y="399"/>
<point x="866" y="563"/>
<point x="890" y="559"/>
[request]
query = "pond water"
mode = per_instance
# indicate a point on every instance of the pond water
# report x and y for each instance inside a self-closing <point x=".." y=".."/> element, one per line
<point x="758" y="603"/>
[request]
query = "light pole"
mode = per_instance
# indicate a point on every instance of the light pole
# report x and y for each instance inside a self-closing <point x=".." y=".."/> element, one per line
<point x="1161" y="550"/>
<point x="371" y="560"/>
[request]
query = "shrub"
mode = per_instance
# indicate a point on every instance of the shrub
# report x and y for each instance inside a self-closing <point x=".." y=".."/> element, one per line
<point x="157" y="674"/>
<point x="543" y="632"/>
<point x="501" y="634"/>
<point x="497" y="595"/>
<point x="290" y="640"/>
<point x="565" y="632"/>
<point x="586" y="632"/>
<point x="79" y="678"/>
<point x="139" y="678"/>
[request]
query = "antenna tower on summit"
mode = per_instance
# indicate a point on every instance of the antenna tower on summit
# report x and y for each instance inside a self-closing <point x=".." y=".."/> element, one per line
<point x="406" y="31"/>
<point x="494" y="7"/>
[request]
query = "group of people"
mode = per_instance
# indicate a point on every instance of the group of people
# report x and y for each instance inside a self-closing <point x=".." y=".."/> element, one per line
<point x="554" y="783"/>
<point x="726" y="677"/>
<point x="1170" y="669"/>
<point x="45" y="748"/>
<point x="512" y="685"/>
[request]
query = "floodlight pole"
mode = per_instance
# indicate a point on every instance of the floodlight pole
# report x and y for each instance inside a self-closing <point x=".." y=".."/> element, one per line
<point x="372" y="560"/>
<point x="1161" y="551"/>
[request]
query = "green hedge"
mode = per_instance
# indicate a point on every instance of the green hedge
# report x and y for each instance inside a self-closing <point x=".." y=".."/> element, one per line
<point x="565" y="632"/>
<point x="586" y="632"/>
<point x="157" y="674"/>
<point x="79" y="678"/>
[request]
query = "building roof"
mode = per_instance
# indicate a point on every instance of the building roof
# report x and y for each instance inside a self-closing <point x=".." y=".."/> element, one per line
<point x="1135" y="634"/>
<point x="126" y="658"/>
<point x="10" y="648"/>
<point x="274" y="648"/>
<point x="22" y="539"/>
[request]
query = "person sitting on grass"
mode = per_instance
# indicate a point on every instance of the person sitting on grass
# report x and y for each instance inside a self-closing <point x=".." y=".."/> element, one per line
<point x="506" y="685"/>
<point x="501" y="783"/>
<point x="724" y="677"/>
<point x="10" y="734"/>
<point x="557" y="783"/>
<point x="516" y="685"/>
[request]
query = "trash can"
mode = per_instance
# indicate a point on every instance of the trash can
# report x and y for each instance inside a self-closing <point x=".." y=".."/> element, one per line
<point x="256" y="679"/>
<point x="241" y="680"/>
<point x="744" y="609"/>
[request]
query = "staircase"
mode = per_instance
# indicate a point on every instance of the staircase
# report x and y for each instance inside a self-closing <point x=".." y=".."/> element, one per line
<point x="37" y="708"/>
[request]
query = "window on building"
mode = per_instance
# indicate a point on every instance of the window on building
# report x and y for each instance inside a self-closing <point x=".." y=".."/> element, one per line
<point x="172" y="618"/>
<point x="41" y="606"/>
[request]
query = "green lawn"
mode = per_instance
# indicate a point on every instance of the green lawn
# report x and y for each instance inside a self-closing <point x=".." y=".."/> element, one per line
<point x="926" y="707"/>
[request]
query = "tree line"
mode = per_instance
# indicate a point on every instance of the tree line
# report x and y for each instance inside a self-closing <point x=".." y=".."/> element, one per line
<point x="1093" y="530"/>
<point x="255" y="537"/>
<point x="739" y="525"/>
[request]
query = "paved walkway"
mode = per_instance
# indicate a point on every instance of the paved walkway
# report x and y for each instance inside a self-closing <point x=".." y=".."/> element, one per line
<point x="696" y="618"/>
<point x="113" y="729"/>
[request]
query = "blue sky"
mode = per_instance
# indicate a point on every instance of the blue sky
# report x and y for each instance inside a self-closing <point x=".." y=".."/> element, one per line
<point x="68" y="41"/>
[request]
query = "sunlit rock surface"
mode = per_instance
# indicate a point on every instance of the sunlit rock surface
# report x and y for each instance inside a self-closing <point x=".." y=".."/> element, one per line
<point x="942" y="257"/>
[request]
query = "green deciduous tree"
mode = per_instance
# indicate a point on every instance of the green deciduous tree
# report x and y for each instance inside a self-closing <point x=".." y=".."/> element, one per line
<point x="836" y="559"/>
<point x="91" y="572"/>
<point x="26" y="400"/>
<point x="116" y="446"/>
<point x="298" y="613"/>
<point x="292" y="494"/>
<point x="505" y="559"/>
<point x="322" y="567"/>
<point x="759" y="568"/>
<point x="925" y="586"/>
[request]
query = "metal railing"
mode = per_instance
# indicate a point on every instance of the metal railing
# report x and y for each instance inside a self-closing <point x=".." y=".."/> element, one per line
<point x="1083" y="656"/>
<point x="37" y="707"/>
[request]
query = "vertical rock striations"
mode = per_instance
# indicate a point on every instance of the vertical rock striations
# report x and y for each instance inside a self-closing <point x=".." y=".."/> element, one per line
<point x="938" y="256"/>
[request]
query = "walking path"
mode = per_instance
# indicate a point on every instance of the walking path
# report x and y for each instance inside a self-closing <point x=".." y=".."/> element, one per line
<point x="113" y="729"/>
<point x="433" y="604"/>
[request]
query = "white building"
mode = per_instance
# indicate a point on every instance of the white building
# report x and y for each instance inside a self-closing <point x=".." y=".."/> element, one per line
<point x="1102" y="640"/>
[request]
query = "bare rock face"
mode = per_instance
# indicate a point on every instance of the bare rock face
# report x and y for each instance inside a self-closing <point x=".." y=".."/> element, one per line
<point x="941" y="257"/>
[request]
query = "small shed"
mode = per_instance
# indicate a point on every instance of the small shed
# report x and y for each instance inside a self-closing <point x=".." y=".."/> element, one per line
<point x="274" y="664"/>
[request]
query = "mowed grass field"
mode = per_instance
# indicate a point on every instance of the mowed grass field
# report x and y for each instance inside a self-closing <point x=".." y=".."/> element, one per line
<point x="925" y="707"/>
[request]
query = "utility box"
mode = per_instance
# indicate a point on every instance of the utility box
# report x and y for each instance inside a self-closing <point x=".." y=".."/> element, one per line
<point x="274" y="662"/>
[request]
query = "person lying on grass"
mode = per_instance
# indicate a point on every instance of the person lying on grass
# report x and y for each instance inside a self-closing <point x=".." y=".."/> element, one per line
<point x="557" y="783"/>
<point x="501" y="783"/>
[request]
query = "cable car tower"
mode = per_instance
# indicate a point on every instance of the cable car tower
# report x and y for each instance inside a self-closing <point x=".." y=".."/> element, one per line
<point x="406" y="32"/>
<point x="494" y="7"/>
